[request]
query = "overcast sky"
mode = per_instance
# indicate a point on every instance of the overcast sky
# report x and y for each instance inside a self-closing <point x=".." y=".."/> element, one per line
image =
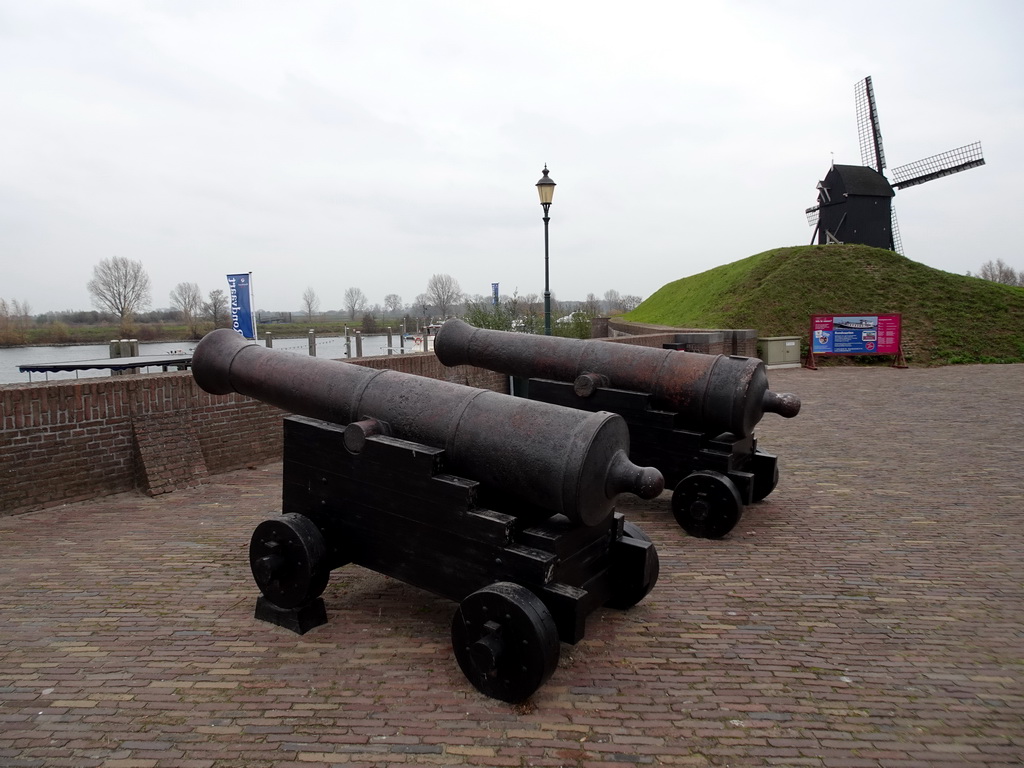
<point x="373" y="144"/>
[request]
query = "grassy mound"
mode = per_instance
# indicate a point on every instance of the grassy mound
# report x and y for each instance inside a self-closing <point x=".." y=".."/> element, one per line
<point x="947" y="318"/>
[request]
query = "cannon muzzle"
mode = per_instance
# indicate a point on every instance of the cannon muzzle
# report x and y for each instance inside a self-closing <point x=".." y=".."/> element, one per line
<point x="712" y="393"/>
<point x="559" y="459"/>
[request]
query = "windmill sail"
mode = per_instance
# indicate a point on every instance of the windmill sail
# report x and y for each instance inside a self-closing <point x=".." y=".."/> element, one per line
<point x="937" y="166"/>
<point x="813" y="219"/>
<point x="897" y="242"/>
<point x="869" y="133"/>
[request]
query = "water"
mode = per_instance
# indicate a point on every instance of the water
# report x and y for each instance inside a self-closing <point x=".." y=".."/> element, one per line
<point x="332" y="347"/>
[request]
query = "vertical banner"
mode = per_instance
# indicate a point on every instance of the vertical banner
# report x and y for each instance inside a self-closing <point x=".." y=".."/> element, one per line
<point x="242" y="319"/>
<point x="494" y="294"/>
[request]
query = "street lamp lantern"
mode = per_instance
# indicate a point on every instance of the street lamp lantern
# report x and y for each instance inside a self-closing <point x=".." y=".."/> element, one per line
<point x="546" y="190"/>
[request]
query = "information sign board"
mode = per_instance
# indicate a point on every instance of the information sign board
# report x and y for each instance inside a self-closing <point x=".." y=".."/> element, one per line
<point x="855" y="335"/>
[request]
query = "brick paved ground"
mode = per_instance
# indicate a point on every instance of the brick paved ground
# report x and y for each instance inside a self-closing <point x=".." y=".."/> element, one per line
<point x="869" y="613"/>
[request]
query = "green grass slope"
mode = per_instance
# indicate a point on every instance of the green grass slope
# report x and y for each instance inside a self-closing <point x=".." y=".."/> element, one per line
<point x="947" y="318"/>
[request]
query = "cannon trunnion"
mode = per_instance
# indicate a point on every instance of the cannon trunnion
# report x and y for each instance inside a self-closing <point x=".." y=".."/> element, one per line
<point x="690" y="415"/>
<point x="527" y="565"/>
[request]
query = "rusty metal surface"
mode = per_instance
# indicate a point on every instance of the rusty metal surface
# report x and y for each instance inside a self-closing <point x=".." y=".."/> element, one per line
<point x="562" y="460"/>
<point x="712" y="392"/>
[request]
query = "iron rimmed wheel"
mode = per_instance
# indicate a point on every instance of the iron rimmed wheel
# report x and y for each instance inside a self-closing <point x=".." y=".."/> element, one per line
<point x="288" y="557"/>
<point x="707" y="504"/>
<point x="505" y="641"/>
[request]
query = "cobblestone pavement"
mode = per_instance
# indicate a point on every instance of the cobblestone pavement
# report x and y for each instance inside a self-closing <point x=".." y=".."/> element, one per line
<point x="868" y="614"/>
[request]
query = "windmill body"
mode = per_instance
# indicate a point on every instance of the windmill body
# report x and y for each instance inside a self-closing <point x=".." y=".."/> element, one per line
<point x="855" y="201"/>
<point x="855" y="206"/>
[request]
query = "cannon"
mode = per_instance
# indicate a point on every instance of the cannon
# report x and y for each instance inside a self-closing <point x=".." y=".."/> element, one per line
<point x="503" y="505"/>
<point x="690" y="415"/>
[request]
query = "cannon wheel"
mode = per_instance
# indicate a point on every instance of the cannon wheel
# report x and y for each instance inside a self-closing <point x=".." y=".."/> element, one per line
<point x="288" y="557"/>
<point x="764" y="482"/>
<point x="505" y="641"/>
<point x="707" y="504"/>
<point x="628" y="590"/>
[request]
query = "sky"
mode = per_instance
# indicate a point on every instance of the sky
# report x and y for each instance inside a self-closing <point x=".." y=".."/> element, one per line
<point x="335" y="144"/>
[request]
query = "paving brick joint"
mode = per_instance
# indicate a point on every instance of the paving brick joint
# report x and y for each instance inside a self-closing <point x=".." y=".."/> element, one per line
<point x="868" y="614"/>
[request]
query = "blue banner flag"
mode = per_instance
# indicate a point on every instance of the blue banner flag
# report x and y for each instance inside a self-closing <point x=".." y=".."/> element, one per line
<point x="242" y="319"/>
<point x="494" y="294"/>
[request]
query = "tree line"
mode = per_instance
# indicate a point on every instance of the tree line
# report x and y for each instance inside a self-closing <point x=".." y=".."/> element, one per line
<point x="999" y="271"/>
<point x="120" y="288"/>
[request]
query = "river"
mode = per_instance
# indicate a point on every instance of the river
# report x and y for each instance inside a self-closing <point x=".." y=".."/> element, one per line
<point x="330" y="347"/>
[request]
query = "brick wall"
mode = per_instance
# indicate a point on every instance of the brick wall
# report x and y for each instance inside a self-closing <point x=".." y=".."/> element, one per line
<point x="715" y="341"/>
<point x="428" y="365"/>
<point x="64" y="441"/>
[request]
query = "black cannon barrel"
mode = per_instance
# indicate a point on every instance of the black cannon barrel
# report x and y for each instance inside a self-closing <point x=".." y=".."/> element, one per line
<point x="714" y="393"/>
<point x="560" y="459"/>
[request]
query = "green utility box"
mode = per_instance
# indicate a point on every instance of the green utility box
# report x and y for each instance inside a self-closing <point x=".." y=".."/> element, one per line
<point x="780" y="351"/>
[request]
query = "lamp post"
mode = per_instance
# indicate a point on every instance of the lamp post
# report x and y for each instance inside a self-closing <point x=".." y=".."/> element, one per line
<point x="546" y="190"/>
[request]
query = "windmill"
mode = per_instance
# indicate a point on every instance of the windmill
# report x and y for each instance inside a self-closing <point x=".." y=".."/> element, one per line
<point x="855" y="201"/>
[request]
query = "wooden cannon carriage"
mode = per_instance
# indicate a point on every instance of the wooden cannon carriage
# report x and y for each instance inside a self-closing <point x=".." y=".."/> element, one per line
<point x="690" y="415"/>
<point x="501" y="504"/>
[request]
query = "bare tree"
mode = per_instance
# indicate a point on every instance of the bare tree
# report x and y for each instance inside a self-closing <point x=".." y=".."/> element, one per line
<point x="19" y="316"/>
<point x="120" y="286"/>
<point x="188" y="300"/>
<point x="23" y="311"/>
<point x="631" y="302"/>
<point x="216" y="308"/>
<point x="15" y="319"/>
<point x="392" y="303"/>
<point x="1001" y="272"/>
<point x="369" y="324"/>
<point x="444" y="292"/>
<point x="355" y="301"/>
<point x="423" y="304"/>
<point x="532" y="305"/>
<point x="310" y="303"/>
<point x="613" y="300"/>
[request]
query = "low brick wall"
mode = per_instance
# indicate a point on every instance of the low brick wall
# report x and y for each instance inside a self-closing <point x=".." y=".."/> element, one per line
<point x="65" y="441"/>
<point x="429" y="366"/>
<point x="715" y="341"/>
